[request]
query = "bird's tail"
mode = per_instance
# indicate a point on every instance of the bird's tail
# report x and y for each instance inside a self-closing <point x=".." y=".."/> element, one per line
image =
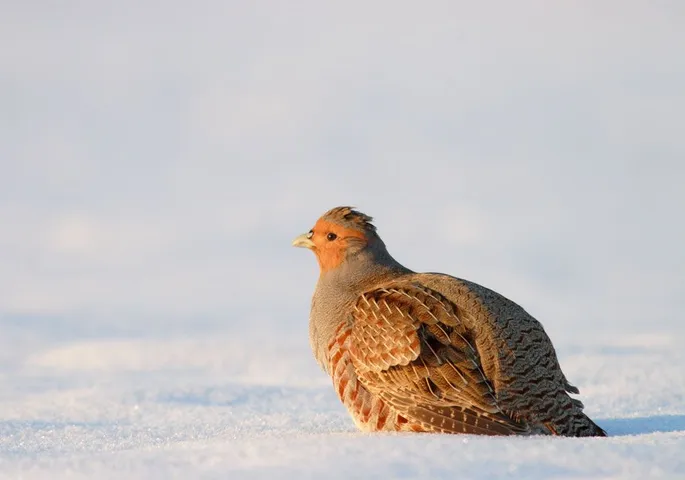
<point x="578" y="425"/>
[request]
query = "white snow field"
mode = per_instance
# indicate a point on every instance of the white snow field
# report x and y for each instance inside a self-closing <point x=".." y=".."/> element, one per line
<point x="157" y="158"/>
<point x="249" y="406"/>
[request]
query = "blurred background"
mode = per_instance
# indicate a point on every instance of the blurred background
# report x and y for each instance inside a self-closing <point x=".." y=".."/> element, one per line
<point x="157" y="158"/>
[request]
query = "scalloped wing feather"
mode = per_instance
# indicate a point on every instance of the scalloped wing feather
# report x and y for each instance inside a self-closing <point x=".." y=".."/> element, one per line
<point x="409" y="346"/>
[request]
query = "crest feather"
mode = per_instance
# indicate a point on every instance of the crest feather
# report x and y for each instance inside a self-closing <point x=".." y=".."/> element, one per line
<point x="350" y="218"/>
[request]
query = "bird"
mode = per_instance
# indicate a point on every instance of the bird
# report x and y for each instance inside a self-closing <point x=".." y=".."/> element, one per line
<point x="429" y="352"/>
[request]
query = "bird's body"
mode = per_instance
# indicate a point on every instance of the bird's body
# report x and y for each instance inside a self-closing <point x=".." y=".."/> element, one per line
<point x="427" y="352"/>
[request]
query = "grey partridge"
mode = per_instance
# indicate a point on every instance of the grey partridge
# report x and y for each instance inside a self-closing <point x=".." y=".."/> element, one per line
<point x="428" y="352"/>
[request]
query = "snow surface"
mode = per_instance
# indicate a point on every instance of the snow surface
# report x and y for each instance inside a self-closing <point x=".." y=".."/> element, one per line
<point x="214" y="407"/>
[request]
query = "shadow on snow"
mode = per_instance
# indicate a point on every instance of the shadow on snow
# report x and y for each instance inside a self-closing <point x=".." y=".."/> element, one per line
<point x="618" y="427"/>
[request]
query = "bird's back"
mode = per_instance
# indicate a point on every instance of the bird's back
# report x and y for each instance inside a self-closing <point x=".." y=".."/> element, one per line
<point x="517" y="357"/>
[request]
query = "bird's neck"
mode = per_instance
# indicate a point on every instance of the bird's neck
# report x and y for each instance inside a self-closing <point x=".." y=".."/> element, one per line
<point x="362" y="270"/>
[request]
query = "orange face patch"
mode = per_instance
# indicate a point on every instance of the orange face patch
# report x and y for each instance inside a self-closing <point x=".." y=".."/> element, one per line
<point x="330" y="243"/>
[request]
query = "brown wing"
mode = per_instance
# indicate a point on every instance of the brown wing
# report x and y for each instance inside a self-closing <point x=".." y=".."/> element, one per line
<point x="410" y="348"/>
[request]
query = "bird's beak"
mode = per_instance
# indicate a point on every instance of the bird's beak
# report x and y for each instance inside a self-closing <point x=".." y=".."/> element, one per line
<point x="303" y="241"/>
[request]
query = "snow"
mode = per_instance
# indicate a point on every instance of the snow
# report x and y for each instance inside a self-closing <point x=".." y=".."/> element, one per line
<point x="216" y="407"/>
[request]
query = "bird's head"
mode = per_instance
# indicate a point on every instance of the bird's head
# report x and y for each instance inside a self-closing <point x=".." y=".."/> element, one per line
<point x="339" y="233"/>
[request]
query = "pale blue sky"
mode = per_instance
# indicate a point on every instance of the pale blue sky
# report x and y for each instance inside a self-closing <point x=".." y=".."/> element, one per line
<point x="157" y="159"/>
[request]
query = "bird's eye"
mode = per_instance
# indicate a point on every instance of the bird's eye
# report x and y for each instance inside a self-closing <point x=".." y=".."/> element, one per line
<point x="331" y="236"/>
